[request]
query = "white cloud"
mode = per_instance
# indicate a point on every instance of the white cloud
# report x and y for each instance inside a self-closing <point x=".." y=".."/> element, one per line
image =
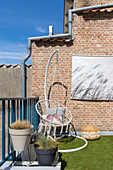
<point x="12" y="52"/>
<point x="12" y="55"/>
<point x="9" y="46"/>
<point x="41" y="29"/>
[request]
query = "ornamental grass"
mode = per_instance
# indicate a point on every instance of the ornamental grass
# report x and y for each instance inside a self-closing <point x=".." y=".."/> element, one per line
<point x="20" y="125"/>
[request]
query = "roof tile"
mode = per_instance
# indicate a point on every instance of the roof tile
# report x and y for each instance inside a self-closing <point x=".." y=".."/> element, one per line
<point x="13" y="66"/>
<point x="95" y="10"/>
<point x="55" y="39"/>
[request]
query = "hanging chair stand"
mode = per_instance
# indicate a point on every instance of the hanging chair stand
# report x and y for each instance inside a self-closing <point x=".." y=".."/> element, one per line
<point x="54" y="115"/>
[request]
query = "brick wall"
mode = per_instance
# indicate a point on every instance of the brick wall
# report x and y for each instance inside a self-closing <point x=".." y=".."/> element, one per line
<point x="93" y="36"/>
<point x="83" y="3"/>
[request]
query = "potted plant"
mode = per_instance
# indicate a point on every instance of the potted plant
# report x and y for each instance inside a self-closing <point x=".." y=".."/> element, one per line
<point x="46" y="150"/>
<point x="20" y="133"/>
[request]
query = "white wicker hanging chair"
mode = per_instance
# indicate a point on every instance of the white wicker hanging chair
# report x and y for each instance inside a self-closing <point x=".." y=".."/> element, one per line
<point x="52" y="114"/>
<point x="57" y="116"/>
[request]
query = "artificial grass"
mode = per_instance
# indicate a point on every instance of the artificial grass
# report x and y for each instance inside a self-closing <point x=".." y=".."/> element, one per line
<point x="98" y="155"/>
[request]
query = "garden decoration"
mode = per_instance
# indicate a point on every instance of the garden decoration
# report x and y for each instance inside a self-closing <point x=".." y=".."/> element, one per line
<point x="54" y="115"/>
<point x="90" y="132"/>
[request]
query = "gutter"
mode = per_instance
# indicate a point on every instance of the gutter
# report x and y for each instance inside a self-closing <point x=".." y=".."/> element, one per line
<point x="68" y="35"/>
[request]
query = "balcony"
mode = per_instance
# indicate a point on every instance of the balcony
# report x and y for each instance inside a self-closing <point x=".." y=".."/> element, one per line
<point x="12" y="109"/>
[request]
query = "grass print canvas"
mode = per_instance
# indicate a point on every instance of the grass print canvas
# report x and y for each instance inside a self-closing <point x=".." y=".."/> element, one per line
<point x="92" y="78"/>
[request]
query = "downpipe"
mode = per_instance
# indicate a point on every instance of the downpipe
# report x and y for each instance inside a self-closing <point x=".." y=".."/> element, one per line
<point x="23" y="74"/>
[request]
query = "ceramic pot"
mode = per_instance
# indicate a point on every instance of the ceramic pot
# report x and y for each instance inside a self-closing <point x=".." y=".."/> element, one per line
<point x="20" y="138"/>
<point x="45" y="157"/>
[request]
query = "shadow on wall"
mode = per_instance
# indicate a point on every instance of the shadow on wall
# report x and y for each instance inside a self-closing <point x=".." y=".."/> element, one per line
<point x="53" y="43"/>
<point x="59" y="84"/>
<point x="97" y="15"/>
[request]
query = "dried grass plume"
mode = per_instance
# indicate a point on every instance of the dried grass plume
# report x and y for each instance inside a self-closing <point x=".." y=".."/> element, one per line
<point x="20" y="125"/>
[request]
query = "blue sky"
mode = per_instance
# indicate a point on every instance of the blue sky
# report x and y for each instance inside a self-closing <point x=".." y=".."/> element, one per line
<point x="20" y="19"/>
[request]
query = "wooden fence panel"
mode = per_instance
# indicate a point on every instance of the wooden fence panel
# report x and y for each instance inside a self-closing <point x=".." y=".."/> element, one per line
<point x="10" y="82"/>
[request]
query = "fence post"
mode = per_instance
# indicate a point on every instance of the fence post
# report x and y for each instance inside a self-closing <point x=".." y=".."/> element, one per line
<point x="12" y="111"/>
<point x="20" y="109"/>
<point x="3" y="129"/>
<point x="8" y="126"/>
<point x="36" y="114"/>
<point x="12" y="121"/>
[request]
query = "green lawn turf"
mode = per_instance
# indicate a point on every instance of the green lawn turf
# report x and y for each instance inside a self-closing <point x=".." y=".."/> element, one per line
<point x="98" y="155"/>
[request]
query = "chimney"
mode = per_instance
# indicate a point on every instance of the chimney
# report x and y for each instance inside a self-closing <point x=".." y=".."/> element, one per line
<point x="50" y="30"/>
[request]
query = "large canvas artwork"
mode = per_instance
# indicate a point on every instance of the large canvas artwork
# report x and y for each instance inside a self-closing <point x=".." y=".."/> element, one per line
<point x="92" y="78"/>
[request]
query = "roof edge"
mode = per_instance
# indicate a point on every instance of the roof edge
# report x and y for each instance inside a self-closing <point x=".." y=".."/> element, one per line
<point x="101" y="6"/>
<point x="13" y="66"/>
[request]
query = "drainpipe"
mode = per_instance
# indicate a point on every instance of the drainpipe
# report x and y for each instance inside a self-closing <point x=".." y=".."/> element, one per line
<point x="23" y="74"/>
<point x="68" y="35"/>
<point x="70" y="22"/>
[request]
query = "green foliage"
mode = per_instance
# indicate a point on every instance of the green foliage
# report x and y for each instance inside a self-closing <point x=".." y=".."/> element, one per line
<point x="46" y="143"/>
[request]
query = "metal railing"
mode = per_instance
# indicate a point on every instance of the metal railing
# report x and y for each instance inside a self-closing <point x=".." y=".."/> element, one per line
<point x="12" y="109"/>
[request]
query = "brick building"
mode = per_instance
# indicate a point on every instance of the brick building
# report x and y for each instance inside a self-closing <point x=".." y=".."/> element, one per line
<point x="92" y="34"/>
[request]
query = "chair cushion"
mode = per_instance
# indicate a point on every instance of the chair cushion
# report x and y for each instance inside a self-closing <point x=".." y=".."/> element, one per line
<point x="58" y="110"/>
<point x="56" y="118"/>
